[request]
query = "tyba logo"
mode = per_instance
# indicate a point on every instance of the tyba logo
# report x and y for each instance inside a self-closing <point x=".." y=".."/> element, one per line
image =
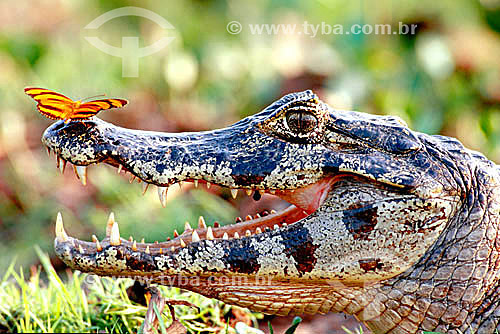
<point x="130" y="52"/>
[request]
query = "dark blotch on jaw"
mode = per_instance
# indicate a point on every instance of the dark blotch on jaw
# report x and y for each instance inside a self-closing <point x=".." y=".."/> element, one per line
<point x="160" y="168"/>
<point x="140" y="261"/>
<point x="247" y="180"/>
<point x="370" y="264"/>
<point x="360" y="221"/>
<point x="299" y="245"/>
<point x="242" y="257"/>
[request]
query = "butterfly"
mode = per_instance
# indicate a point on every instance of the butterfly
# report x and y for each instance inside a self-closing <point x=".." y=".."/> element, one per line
<point x="57" y="106"/>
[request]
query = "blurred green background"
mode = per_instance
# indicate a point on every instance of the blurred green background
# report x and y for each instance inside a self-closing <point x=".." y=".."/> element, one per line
<point x="444" y="79"/>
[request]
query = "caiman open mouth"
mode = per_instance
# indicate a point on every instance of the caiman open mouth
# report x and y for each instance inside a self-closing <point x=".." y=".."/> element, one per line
<point x="304" y="201"/>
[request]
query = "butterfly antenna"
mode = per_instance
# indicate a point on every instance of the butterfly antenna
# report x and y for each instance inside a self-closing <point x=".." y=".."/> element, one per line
<point x="87" y="98"/>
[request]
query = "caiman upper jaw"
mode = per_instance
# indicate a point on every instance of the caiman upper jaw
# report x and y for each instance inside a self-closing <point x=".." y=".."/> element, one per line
<point x="166" y="159"/>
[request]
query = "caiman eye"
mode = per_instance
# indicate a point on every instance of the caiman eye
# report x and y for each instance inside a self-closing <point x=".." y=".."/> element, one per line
<point x="301" y="121"/>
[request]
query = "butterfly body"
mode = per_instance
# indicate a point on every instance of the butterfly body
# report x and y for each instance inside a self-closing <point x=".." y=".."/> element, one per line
<point x="57" y="106"/>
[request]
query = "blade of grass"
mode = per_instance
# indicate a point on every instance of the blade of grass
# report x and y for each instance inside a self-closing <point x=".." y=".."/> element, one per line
<point x="295" y="323"/>
<point x="160" y="319"/>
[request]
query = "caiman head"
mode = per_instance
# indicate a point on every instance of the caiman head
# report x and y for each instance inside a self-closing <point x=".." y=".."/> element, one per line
<point x="368" y="199"/>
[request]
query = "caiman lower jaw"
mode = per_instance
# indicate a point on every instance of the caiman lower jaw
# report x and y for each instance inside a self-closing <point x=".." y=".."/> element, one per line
<point x="304" y="201"/>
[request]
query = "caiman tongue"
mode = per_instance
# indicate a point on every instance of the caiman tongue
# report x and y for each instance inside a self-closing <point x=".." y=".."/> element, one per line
<point x="311" y="197"/>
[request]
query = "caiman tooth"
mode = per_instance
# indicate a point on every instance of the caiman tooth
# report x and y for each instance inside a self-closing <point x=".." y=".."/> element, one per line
<point x="176" y="234"/>
<point x="272" y="191"/>
<point x="48" y="150"/>
<point x="142" y="241"/>
<point x="62" y="166"/>
<point x="134" y="246"/>
<point x="114" y="239"/>
<point x="187" y="227"/>
<point x="181" y="183"/>
<point x="132" y="178"/>
<point x="195" y="237"/>
<point x="94" y="238"/>
<point x="109" y="224"/>
<point x="172" y="248"/>
<point x="120" y="167"/>
<point x="58" y="160"/>
<point x="201" y="222"/>
<point x="80" y="249"/>
<point x="248" y="233"/>
<point x="236" y="235"/>
<point x="258" y="230"/>
<point x="98" y="246"/>
<point x="284" y="225"/>
<point x="176" y="186"/>
<point x="265" y="213"/>
<point x="183" y="244"/>
<point x="161" y="250"/>
<point x="261" y="192"/>
<point x="81" y="173"/>
<point x="248" y="217"/>
<point x="273" y="212"/>
<point x="238" y="219"/>
<point x="276" y="226"/>
<point x="60" y="233"/>
<point x="147" y="250"/>
<point x="208" y="185"/>
<point x="225" y="236"/>
<point x="145" y="187"/>
<point x="257" y="216"/>
<point x="249" y="192"/>
<point x="234" y="193"/>
<point x="162" y="195"/>
<point x="210" y="233"/>
<point x="195" y="183"/>
<point x="130" y="239"/>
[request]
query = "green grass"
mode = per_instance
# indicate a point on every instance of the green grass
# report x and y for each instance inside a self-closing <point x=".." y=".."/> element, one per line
<point x="356" y="331"/>
<point x="45" y="303"/>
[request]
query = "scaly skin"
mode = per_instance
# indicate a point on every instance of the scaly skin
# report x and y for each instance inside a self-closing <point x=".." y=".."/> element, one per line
<point x="399" y="228"/>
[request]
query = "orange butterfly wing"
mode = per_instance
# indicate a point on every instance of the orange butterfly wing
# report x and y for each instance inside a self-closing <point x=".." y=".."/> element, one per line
<point x="51" y="104"/>
<point x="89" y="109"/>
<point x="57" y="106"/>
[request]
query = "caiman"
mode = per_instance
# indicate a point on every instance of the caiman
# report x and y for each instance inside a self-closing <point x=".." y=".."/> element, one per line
<point x="398" y="228"/>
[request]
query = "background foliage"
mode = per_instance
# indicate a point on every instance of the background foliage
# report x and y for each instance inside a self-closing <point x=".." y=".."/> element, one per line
<point x="442" y="80"/>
